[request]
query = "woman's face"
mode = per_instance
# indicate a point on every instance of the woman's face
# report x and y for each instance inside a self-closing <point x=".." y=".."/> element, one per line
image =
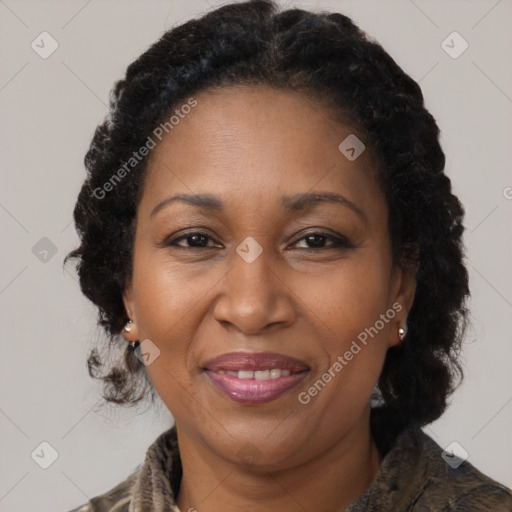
<point x="254" y="270"/>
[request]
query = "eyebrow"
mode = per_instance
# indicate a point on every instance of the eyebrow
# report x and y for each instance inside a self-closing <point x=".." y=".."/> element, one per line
<point x="297" y="203"/>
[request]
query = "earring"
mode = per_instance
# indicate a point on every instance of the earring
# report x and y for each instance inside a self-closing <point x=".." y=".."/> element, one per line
<point x="402" y="331"/>
<point x="127" y="327"/>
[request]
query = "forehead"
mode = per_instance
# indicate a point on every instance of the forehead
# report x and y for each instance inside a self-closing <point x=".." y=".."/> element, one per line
<point x="255" y="140"/>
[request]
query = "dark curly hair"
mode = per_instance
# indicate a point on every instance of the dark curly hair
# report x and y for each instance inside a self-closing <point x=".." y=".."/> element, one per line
<point x="326" y="57"/>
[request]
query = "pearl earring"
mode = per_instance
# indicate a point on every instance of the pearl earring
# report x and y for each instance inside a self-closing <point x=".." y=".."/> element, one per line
<point x="128" y="327"/>
<point x="402" y="331"/>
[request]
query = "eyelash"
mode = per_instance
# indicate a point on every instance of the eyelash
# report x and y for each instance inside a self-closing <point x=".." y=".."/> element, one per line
<point x="338" y="242"/>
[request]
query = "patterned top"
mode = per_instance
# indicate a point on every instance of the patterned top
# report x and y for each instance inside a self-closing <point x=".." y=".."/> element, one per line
<point x="413" y="477"/>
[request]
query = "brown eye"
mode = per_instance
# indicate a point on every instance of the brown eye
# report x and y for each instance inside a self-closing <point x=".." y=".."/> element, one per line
<point x="316" y="240"/>
<point x="194" y="240"/>
<point x="319" y="241"/>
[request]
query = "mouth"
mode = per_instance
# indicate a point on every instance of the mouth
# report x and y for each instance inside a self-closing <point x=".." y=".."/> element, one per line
<point x="255" y="378"/>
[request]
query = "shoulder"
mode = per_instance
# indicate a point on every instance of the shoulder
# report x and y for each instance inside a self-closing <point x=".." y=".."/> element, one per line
<point x="156" y="479"/>
<point x="458" y="485"/>
<point x="116" y="499"/>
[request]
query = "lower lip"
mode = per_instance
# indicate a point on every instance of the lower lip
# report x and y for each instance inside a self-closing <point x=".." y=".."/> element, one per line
<point x="252" y="391"/>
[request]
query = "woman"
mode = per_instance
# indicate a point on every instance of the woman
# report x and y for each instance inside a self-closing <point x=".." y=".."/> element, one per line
<point x="267" y="223"/>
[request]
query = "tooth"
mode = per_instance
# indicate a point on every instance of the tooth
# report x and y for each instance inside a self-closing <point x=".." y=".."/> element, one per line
<point x="233" y="374"/>
<point x="275" y="373"/>
<point x="245" y="374"/>
<point x="262" y="374"/>
<point x="285" y="373"/>
<point x="221" y="372"/>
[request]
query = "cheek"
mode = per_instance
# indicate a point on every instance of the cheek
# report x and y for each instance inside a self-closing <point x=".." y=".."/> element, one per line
<point x="167" y="309"/>
<point x="166" y="293"/>
<point x="351" y="294"/>
<point x="353" y="317"/>
<point x="171" y="304"/>
<point x="164" y="302"/>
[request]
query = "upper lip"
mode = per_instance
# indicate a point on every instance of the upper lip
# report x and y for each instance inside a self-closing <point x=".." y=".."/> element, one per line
<point x="234" y="361"/>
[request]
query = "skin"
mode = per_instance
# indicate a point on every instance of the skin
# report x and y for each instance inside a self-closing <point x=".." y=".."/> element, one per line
<point x="250" y="146"/>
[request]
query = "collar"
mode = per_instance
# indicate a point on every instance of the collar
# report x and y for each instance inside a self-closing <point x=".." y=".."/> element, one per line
<point x="159" y="477"/>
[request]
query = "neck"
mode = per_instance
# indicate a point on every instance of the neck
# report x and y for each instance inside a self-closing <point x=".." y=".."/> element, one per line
<point x="338" y="476"/>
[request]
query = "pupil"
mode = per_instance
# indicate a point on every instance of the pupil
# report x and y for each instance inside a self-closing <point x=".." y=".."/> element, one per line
<point x="195" y="238"/>
<point x="319" y="240"/>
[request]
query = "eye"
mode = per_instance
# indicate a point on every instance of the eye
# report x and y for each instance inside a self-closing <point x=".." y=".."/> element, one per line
<point x="194" y="240"/>
<point x="315" y="240"/>
<point x="318" y="240"/>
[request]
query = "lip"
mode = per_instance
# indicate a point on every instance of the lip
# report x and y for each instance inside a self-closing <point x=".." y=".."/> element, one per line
<point x="252" y="391"/>
<point x="235" y="361"/>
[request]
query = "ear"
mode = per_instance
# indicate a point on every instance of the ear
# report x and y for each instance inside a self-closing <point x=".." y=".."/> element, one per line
<point x="129" y="306"/>
<point x="402" y="298"/>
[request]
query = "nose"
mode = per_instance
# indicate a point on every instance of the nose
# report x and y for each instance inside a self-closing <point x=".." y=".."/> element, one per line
<point x="255" y="296"/>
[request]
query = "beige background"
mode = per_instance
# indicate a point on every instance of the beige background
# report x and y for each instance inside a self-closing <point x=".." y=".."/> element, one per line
<point x="49" y="109"/>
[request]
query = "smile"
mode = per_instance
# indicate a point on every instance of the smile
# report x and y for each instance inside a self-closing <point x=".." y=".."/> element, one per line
<point x="255" y="378"/>
<point x="257" y="387"/>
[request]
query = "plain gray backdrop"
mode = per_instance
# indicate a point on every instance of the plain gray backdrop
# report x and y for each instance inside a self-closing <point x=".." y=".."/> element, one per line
<point x="49" y="109"/>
